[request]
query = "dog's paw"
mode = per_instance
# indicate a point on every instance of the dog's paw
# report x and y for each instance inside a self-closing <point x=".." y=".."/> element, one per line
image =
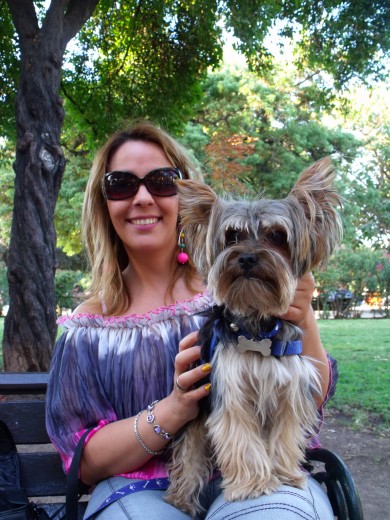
<point x="238" y="492"/>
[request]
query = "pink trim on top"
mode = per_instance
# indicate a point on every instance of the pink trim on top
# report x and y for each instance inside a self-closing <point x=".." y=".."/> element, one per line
<point x="67" y="461"/>
<point x="150" y="315"/>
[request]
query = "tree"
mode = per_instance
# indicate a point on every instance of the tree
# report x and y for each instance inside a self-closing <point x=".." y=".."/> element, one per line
<point x="129" y="56"/>
<point x="369" y="178"/>
<point x="263" y="132"/>
<point x="362" y="270"/>
<point x="39" y="166"/>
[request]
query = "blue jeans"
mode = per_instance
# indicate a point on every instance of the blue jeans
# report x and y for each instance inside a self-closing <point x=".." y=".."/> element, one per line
<point x="287" y="503"/>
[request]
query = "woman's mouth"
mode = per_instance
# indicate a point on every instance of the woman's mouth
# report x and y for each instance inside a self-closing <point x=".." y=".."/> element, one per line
<point x="144" y="221"/>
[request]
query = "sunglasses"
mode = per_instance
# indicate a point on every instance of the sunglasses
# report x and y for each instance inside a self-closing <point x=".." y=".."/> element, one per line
<point x="120" y="185"/>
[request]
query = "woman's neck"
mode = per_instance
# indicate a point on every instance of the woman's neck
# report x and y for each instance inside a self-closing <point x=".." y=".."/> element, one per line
<point x="147" y="284"/>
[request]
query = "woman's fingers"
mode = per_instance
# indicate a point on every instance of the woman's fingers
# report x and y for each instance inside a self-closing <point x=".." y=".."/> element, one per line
<point x="188" y="341"/>
<point x="186" y="358"/>
<point x="188" y="371"/>
<point x="186" y="380"/>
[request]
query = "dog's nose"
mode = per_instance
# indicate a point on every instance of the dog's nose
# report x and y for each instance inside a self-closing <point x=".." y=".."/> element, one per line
<point x="247" y="261"/>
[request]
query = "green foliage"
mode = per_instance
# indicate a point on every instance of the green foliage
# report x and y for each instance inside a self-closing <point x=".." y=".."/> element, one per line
<point x="346" y="38"/>
<point x="9" y="73"/>
<point x="7" y="176"/>
<point x="69" y="205"/>
<point x="4" y="297"/>
<point x="277" y="122"/>
<point x="360" y="270"/>
<point x="70" y="286"/>
<point x="367" y="181"/>
<point x="145" y="64"/>
<point x="146" y="59"/>
<point x="262" y="132"/>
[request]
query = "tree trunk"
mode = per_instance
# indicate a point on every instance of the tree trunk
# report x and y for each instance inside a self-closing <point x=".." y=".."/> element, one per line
<point x="30" y="325"/>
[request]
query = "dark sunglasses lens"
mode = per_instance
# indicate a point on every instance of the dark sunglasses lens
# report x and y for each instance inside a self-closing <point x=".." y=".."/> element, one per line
<point x="162" y="183"/>
<point x="120" y="185"/>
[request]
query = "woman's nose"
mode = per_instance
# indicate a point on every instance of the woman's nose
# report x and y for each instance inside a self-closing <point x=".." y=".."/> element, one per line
<point x="143" y="196"/>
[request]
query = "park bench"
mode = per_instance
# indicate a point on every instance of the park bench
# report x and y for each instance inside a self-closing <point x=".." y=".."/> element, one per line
<point x="23" y="410"/>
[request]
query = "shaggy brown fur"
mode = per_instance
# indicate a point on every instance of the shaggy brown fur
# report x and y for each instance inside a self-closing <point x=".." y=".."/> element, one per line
<point x="261" y="411"/>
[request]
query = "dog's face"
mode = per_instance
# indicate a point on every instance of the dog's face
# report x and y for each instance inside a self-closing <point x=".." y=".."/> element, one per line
<point x="252" y="268"/>
<point x="253" y="253"/>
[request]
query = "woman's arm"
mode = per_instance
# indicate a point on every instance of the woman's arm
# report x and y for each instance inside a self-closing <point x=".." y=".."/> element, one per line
<point x="115" y="449"/>
<point x="302" y="314"/>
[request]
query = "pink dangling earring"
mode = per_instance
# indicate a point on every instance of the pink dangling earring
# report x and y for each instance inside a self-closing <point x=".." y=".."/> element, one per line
<point x="182" y="257"/>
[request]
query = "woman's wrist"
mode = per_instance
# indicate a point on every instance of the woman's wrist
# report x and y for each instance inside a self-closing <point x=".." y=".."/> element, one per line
<point x="308" y="321"/>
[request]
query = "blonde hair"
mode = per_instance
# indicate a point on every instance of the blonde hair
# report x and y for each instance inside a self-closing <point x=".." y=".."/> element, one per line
<point x="106" y="253"/>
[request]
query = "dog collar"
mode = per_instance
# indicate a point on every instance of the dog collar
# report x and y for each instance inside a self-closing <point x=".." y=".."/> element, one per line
<point x="264" y="344"/>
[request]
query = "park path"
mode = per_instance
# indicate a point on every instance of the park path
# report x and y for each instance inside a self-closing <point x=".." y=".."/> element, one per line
<point x="367" y="455"/>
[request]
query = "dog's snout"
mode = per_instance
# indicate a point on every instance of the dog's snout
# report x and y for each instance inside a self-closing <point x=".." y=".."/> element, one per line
<point x="247" y="261"/>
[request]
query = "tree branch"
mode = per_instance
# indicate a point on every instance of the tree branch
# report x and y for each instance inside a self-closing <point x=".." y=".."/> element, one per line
<point x="307" y="78"/>
<point x="76" y="16"/>
<point x="24" y="17"/>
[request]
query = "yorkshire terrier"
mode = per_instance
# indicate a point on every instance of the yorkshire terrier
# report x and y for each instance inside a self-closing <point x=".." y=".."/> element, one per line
<point x="255" y="425"/>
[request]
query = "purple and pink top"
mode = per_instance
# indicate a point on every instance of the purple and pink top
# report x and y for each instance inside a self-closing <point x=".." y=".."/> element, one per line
<point x="110" y="368"/>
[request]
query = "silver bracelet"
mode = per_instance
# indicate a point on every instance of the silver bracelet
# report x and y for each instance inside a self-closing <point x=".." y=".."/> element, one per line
<point x="148" y="450"/>
<point x="152" y="420"/>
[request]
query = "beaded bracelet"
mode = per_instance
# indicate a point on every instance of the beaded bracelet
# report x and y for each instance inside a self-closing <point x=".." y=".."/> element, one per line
<point x="148" y="450"/>
<point x="152" y="420"/>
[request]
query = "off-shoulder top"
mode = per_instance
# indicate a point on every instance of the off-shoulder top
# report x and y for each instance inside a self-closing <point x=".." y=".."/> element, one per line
<point x="109" y="368"/>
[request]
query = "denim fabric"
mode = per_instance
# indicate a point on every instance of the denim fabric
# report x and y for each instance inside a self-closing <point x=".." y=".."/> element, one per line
<point x="287" y="503"/>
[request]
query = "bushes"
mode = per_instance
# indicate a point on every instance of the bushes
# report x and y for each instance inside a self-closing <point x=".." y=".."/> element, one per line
<point x="70" y="289"/>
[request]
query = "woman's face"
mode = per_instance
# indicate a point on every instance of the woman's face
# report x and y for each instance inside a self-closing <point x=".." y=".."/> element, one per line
<point x="146" y="224"/>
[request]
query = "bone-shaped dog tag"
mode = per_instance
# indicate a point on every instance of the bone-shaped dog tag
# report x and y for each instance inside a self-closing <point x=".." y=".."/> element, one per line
<point x="263" y="346"/>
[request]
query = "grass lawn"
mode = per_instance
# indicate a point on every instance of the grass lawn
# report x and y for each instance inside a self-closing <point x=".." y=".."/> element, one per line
<point x="362" y="350"/>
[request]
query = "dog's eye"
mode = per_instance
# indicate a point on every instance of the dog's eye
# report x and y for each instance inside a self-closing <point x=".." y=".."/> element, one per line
<point x="277" y="237"/>
<point x="233" y="236"/>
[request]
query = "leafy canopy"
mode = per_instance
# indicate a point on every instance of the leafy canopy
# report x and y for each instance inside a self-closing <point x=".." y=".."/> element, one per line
<point x="137" y="58"/>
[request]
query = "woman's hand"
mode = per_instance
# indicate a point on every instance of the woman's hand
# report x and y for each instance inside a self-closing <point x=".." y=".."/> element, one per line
<point x="300" y="310"/>
<point x="186" y="394"/>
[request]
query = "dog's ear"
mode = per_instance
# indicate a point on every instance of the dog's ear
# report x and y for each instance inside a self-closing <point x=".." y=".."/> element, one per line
<point x="195" y="204"/>
<point x="316" y="193"/>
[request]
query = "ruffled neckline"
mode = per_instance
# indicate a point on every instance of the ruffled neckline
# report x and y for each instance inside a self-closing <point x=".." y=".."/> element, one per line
<point x="198" y="303"/>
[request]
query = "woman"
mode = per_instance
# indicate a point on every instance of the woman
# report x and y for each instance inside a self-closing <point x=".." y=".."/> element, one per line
<point x="132" y="344"/>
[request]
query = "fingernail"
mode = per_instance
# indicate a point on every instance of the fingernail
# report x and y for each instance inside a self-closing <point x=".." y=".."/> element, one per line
<point x="206" y="367"/>
<point x="208" y="387"/>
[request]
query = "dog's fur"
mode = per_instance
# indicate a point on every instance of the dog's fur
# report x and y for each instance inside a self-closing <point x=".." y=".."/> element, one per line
<point x="255" y="425"/>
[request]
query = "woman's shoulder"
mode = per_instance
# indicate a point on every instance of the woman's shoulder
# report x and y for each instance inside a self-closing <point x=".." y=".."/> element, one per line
<point x="91" y="314"/>
<point x="88" y="313"/>
<point x="90" y="306"/>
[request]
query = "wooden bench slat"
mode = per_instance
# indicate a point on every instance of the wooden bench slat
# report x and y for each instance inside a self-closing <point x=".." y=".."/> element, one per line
<point x="26" y="421"/>
<point x="23" y="382"/>
<point x="51" y="481"/>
